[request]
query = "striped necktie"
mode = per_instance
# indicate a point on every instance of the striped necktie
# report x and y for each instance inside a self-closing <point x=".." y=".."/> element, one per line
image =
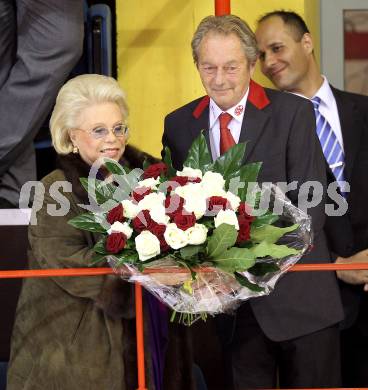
<point x="331" y="147"/>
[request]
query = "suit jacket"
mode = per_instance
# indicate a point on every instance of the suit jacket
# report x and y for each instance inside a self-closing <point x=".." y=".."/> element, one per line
<point x="280" y="130"/>
<point x="348" y="234"/>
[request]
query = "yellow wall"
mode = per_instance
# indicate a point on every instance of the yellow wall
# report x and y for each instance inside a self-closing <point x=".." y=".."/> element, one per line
<point x="155" y="65"/>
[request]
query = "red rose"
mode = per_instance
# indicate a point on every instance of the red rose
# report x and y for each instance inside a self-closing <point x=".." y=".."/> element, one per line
<point x="244" y="227"/>
<point x="177" y="181"/>
<point x="116" y="214"/>
<point x="245" y="209"/>
<point x="140" y="192"/>
<point x="158" y="230"/>
<point x="155" y="170"/>
<point x="115" y="242"/>
<point x="164" y="246"/>
<point x="184" y="221"/>
<point x="217" y="203"/>
<point x="142" y="221"/>
<point x="181" y="181"/>
<point x="174" y="204"/>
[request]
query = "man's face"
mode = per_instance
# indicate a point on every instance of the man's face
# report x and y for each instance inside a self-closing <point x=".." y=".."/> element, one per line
<point x="283" y="60"/>
<point x="224" y="69"/>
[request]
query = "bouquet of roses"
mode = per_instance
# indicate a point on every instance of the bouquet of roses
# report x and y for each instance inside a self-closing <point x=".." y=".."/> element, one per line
<point x="200" y="239"/>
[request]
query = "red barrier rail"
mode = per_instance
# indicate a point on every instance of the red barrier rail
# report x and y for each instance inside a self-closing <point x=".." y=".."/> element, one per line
<point x="45" y="273"/>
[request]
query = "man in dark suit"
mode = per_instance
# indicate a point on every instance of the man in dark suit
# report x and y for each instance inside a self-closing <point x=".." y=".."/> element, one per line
<point x="287" y="59"/>
<point x="283" y="331"/>
<point x="40" y="43"/>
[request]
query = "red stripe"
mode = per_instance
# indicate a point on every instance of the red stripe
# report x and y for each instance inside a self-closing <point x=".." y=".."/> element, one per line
<point x="202" y="105"/>
<point x="257" y="95"/>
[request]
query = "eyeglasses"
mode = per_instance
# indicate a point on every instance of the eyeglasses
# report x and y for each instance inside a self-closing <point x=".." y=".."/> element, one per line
<point x="99" y="132"/>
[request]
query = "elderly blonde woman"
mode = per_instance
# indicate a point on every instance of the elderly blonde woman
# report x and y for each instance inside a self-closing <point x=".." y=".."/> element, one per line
<point x="78" y="332"/>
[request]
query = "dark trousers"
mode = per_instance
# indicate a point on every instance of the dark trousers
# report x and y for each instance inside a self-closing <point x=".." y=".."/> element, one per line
<point x="354" y="350"/>
<point x="256" y="361"/>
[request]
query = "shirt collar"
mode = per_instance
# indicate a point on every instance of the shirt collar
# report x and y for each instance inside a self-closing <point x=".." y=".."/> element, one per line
<point x="325" y="93"/>
<point x="237" y="111"/>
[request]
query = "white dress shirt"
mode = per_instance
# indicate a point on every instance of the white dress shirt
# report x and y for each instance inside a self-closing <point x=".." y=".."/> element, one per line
<point x="328" y="109"/>
<point x="237" y="112"/>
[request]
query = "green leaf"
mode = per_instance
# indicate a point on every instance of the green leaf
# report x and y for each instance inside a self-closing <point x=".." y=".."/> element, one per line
<point x="273" y="250"/>
<point x="126" y="183"/>
<point x="190" y="250"/>
<point x="263" y="268"/>
<point x="98" y="190"/>
<point x="223" y="237"/>
<point x="171" y="171"/>
<point x="229" y="163"/>
<point x="100" y="248"/>
<point x="208" y="222"/>
<point x="267" y="219"/>
<point x="270" y="233"/>
<point x="87" y="221"/>
<point x="114" y="167"/>
<point x="199" y="156"/>
<point x="235" y="259"/>
<point x="127" y="256"/>
<point x="146" y="163"/>
<point x="242" y="280"/>
<point x="98" y="259"/>
<point x="248" y="173"/>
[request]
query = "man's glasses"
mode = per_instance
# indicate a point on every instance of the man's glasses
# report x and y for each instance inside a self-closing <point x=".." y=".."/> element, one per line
<point x="99" y="132"/>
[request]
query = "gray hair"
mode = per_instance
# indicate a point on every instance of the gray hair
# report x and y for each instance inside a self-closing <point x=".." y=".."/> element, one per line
<point x="76" y="95"/>
<point x="225" y="25"/>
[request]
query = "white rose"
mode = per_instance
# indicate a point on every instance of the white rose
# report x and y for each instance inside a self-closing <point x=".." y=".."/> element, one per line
<point x="213" y="191"/>
<point x="189" y="190"/>
<point x="130" y="209"/>
<point x="159" y="216"/>
<point x="175" y="237"/>
<point x="233" y="199"/>
<point x="122" y="228"/>
<point x="213" y="180"/>
<point x="150" y="183"/>
<point x="196" y="205"/>
<point x="226" y="216"/>
<point x="197" y="234"/>
<point x="151" y="201"/>
<point x="190" y="172"/>
<point x="194" y="198"/>
<point x="147" y="245"/>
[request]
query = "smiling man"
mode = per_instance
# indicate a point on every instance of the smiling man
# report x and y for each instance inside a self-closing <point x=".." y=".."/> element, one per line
<point x="287" y="59"/>
<point x="274" y="333"/>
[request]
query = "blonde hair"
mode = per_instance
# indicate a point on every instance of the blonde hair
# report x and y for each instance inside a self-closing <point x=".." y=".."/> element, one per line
<point x="225" y="25"/>
<point x="76" y="95"/>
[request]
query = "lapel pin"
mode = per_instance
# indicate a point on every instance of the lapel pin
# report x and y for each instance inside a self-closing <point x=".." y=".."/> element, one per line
<point x="238" y="110"/>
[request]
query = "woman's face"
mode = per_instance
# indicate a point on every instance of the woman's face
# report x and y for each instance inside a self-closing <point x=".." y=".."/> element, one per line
<point x="89" y="124"/>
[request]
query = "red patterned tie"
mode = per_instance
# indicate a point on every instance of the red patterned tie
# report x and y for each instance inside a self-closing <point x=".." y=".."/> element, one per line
<point x="226" y="139"/>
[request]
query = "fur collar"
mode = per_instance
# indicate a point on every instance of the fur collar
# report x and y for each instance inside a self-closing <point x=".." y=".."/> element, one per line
<point x="74" y="168"/>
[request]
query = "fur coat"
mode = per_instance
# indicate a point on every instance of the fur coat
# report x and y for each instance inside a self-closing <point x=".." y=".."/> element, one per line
<point x="79" y="332"/>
